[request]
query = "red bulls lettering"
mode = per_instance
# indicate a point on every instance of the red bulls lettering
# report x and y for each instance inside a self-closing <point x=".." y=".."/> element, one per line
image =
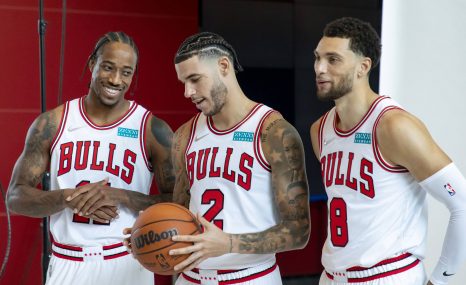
<point x="84" y="155"/>
<point x="206" y="163"/>
<point x="341" y="168"/>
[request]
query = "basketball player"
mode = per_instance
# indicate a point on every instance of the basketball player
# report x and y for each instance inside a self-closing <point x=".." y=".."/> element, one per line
<point x="378" y="161"/>
<point x="232" y="171"/>
<point x="102" y="150"/>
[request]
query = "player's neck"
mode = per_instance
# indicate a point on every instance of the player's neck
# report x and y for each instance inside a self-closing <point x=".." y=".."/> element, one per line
<point x="101" y="114"/>
<point x="352" y="107"/>
<point x="236" y="108"/>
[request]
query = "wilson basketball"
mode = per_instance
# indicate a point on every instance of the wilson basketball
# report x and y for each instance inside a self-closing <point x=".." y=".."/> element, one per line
<point x="152" y="232"/>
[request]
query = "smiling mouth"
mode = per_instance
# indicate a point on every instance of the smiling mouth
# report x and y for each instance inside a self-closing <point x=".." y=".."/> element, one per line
<point x="112" y="91"/>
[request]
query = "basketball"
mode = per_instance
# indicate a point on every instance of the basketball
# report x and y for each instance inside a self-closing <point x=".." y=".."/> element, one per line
<point x="152" y="232"/>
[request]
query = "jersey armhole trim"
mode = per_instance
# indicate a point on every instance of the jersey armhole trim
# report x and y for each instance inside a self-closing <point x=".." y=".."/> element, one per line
<point x="61" y="126"/>
<point x="378" y="155"/>
<point x="142" y="140"/>
<point x="191" y="134"/>
<point x="259" y="154"/>
<point x="320" y="134"/>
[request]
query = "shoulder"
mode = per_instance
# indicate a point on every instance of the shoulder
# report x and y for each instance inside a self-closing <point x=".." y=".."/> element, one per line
<point x="274" y="130"/>
<point x="159" y="136"/>
<point x="44" y="128"/>
<point x="404" y="140"/>
<point x="397" y="123"/>
<point x="181" y="136"/>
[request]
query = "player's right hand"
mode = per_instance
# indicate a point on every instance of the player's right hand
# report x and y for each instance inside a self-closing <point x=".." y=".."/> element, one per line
<point x="127" y="240"/>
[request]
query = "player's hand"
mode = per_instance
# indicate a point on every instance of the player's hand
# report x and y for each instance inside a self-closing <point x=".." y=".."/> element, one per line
<point x="104" y="214"/>
<point x="90" y="197"/>
<point x="212" y="242"/>
<point x="127" y="239"/>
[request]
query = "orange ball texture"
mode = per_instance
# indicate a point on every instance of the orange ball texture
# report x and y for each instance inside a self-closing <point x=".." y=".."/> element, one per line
<point x="152" y="232"/>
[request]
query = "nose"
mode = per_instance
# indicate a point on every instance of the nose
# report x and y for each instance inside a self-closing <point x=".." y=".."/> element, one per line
<point x="188" y="91"/>
<point x="115" y="78"/>
<point x="320" y="67"/>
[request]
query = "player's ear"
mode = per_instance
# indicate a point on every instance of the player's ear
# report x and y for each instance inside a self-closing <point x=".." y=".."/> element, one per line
<point x="91" y="63"/>
<point x="224" y="65"/>
<point x="364" y="66"/>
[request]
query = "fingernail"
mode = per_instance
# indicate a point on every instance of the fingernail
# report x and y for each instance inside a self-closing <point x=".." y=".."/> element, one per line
<point x="87" y="213"/>
<point x="68" y="198"/>
<point x="80" y="213"/>
<point x="75" y="211"/>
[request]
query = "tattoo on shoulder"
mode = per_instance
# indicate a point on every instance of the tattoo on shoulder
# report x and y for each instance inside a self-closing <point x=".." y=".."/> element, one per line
<point x="162" y="132"/>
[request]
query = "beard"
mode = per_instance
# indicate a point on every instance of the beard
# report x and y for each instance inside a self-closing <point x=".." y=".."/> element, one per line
<point x="218" y="94"/>
<point x="337" y="91"/>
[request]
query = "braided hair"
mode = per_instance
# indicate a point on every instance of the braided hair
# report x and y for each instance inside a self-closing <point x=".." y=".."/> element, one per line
<point x="111" y="37"/>
<point x="207" y="44"/>
<point x="364" y="40"/>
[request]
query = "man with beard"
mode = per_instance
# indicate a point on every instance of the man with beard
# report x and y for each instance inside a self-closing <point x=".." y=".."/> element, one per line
<point x="232" y="171"/>
<point x="102" y="151"/>
<point x="378" y="161"/>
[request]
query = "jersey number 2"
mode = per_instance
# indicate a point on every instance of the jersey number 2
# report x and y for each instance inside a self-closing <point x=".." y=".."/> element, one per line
<point x="82" y="220"/>
<point x="338" y="222"/>
<point x="215" y="196"/>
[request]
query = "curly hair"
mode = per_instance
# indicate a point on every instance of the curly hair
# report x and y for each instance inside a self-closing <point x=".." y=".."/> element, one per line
<point x="364" y="40"/>
<point x="207" y="45"/>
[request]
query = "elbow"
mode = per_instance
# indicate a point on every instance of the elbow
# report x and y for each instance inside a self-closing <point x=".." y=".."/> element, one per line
<point x="305" y="235"/>
<point x="301" y="235"/>
<point x="11" y="202"/>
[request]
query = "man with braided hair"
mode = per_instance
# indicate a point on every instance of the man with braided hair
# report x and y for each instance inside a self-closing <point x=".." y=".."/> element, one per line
<point x="378" y="162"/>
<point x="232" y="171"/>
<point x="102" y="151"/>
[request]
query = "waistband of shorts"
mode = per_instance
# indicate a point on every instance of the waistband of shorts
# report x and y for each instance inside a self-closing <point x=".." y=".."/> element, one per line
<point x="387" y="267"/>
<point x="224" y="277"/>
<point x="89" y="253"/>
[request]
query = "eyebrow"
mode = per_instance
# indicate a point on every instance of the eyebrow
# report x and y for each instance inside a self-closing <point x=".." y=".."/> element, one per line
<point x="112" y="63"/>
<point x="328" y="54"/>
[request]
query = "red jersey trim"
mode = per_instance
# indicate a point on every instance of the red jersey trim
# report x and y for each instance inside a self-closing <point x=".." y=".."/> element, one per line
<point x="129" y="112"/>
<point x="233" y="281"/>
<point x="375" y="146"/>
<point x="142" y="140"/>
<point x="348" y="133"/>
<point x="61" y="126"/>
<point x="321" y="131"/>
<point x="211" y="126"/>
<point x="191" y="135"/>
<point x="379" y="275"/>
<point x="258" y="153"/>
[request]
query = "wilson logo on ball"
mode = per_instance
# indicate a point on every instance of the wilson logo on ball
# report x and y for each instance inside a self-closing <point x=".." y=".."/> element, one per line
<point x="153" y="237"/>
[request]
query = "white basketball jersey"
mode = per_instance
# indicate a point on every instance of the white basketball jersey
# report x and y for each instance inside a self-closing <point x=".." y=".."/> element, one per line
<point x="231" y="182"/>
<point x="376" y="210"/>
<point x="82" y="153"/>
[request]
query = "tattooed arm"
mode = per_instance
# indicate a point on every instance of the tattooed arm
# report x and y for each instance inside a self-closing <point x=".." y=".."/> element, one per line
<point x="23" y="196"/>
<point x="180" y="142"/>
<point x="158" y="143"/>
<point x="283" y="149"/>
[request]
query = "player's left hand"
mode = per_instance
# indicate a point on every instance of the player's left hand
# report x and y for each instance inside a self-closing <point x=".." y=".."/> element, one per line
<point x="93" y="196"/>
<point x="212" y="242"/>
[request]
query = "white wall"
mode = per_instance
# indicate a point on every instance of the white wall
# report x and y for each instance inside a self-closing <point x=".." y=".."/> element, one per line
<point x="423" y="66"/>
